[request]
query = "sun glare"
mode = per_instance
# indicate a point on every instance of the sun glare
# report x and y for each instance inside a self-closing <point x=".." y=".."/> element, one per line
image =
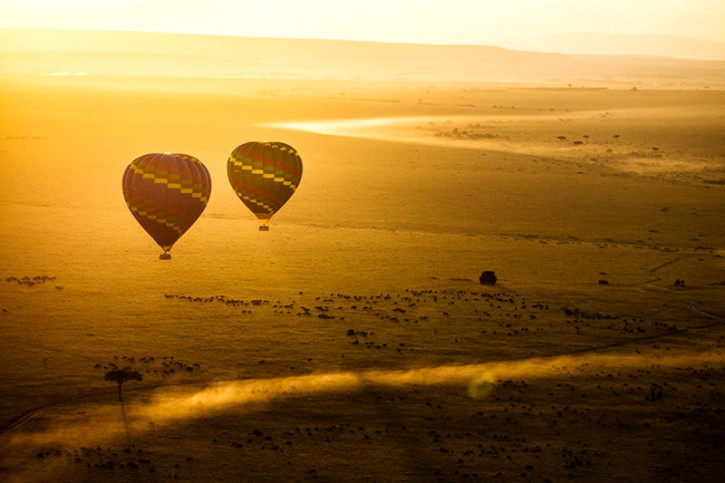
<point x="61" y="4"/>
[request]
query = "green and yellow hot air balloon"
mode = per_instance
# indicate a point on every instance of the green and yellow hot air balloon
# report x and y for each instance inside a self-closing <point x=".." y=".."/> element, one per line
<point x="166" y="193"/>
<point x="264" y="175"/>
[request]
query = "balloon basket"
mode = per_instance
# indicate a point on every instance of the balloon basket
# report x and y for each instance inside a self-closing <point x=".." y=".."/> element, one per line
<point x="165" y="256"/>
<point x="264" y="228"/>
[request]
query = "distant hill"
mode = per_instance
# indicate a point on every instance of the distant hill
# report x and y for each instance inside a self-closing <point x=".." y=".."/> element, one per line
<point x="55" y="52"/>
<point x="649" y="45"/>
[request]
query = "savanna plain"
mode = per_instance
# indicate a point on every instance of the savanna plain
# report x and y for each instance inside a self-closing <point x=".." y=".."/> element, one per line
<point x="353" y="341"/>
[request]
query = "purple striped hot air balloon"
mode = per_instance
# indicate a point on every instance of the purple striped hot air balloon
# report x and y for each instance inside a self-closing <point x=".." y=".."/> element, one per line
<point x="264" y="175"/>
<point x="166" y="193"/>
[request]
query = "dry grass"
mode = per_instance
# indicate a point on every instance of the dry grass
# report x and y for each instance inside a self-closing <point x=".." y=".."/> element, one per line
<point x="385" y="240"/>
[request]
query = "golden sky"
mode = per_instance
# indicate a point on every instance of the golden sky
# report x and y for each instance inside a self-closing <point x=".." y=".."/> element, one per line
<point x="488" y="22"/>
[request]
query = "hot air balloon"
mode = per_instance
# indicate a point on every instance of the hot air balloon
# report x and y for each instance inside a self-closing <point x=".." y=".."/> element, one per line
<point x="264" y="175"/>
<point x="166" y="193"/>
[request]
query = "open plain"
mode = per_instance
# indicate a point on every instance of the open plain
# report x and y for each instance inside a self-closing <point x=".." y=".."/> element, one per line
<point x="353" y="340"/>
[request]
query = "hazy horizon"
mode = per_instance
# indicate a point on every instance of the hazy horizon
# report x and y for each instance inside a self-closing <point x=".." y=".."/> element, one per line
<point x="690" y="48"/>
<point x="106" y="54"/>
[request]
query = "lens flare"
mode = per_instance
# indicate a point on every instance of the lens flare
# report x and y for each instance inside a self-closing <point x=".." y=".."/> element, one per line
<point x="481" y="385"/>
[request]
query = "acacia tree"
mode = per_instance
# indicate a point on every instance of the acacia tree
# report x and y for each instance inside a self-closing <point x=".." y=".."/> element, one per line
<point x="120" y="376"/>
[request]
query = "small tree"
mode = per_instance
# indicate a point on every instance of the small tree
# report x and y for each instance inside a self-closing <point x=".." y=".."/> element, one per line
<point x="120" y="376"/>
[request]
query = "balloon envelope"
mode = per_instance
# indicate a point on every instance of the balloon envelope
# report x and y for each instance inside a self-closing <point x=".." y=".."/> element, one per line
<point x="264" y="175"/>
<point x="166" y="193"/>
